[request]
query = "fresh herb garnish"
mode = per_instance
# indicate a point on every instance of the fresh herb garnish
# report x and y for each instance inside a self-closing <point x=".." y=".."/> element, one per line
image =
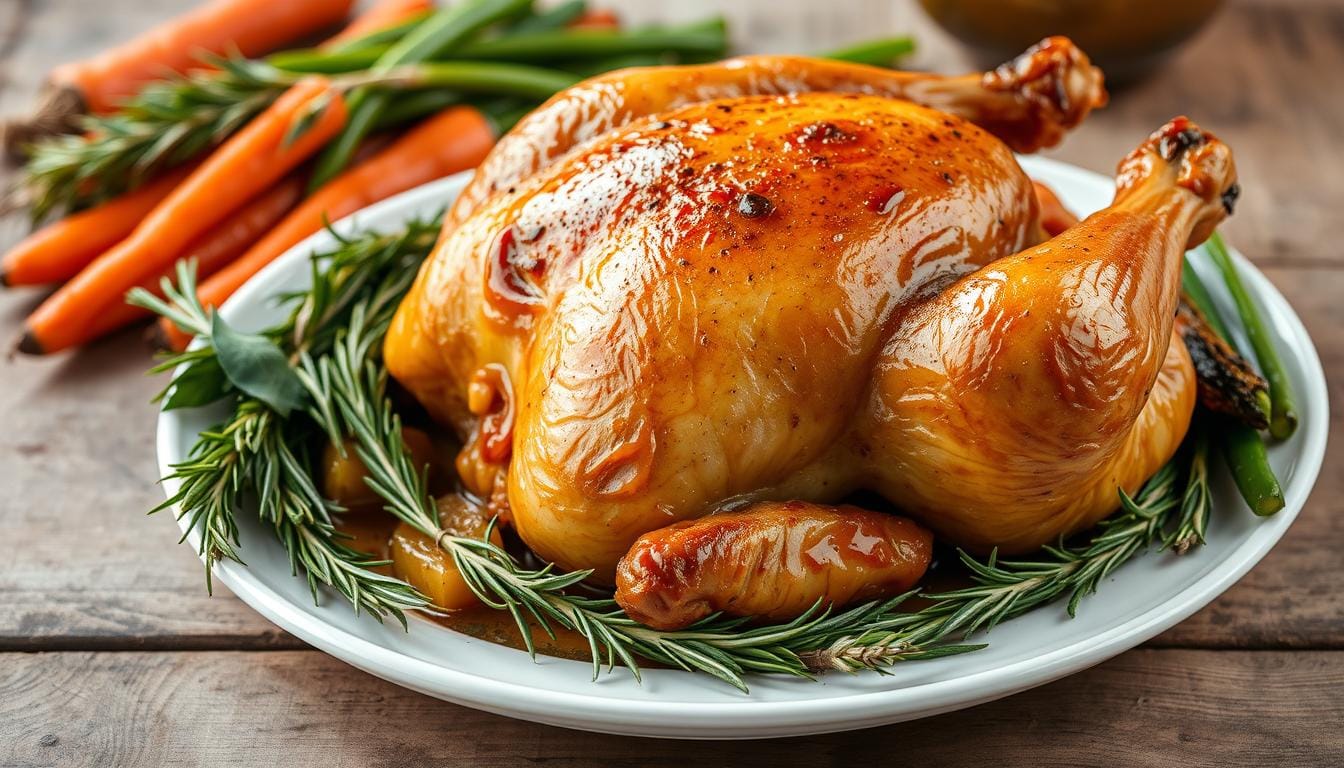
<point x="256" y="366"/>
<point x="258" y="450"/>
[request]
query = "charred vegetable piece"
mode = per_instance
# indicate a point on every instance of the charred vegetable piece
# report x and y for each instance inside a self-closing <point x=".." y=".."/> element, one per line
<point x="1228" y="384"/>
<point x="1242" y="448"/>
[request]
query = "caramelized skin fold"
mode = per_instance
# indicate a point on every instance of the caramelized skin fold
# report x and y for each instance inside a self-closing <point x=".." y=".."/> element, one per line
<point x="773" y="561"/>
<point x="662" y="300"/>
<point x="1010" y="408"/>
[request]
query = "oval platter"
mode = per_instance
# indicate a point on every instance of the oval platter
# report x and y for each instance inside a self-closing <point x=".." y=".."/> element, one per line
<point x="1140" y="600"/>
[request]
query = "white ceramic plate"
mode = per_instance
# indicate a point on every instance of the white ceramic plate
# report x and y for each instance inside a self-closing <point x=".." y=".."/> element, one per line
<point x="1142" y="599"/>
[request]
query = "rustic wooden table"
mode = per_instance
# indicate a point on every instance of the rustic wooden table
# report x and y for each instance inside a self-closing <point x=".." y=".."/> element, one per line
<point x="112" y="654"/>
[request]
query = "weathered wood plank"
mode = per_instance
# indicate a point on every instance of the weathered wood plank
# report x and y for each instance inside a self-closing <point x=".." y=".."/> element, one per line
<point x="1264" y="77"/>
<point x="78" y="473"/>
<point x="1152" y="707"/>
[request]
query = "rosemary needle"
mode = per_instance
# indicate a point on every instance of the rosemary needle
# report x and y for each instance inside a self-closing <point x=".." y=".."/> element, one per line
<point x="165" y="125"/>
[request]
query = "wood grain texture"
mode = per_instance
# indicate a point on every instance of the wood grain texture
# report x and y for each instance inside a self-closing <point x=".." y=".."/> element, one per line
<point x="1266" y="80"/>
<point x="1257" y="678"/>
<point x="1154" y="707"/>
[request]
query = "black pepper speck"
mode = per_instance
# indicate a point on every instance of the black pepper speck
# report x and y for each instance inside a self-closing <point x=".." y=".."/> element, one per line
<point x="754" y="206"/>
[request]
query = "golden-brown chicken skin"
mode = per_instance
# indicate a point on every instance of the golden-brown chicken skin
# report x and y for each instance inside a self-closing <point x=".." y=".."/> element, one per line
<point x="1011" y="407"/>
<point x="1029" y="102"/>
<point x="772" y="561"/>
<point x="796" y="296"/>
<point x="691" y="308"/>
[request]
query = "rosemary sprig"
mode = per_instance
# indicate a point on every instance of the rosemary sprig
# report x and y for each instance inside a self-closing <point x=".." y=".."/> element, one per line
<point x="1005" y="589"/>
<point x="1197" y="501"/>
<point x="259" y="453"/>
<point x="173" y="122"/>
<point x="166" y="124"/>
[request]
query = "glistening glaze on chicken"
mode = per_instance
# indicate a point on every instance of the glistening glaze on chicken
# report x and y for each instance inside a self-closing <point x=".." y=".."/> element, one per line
<point x="772" y="561"/>
<point x="1029" y="102"/>
<point x="677" y="299"/>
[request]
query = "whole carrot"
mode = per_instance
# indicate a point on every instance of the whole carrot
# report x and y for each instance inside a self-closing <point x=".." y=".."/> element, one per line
<point x="381" y="15"/>
<point x="214" y="249"/>
<point x="453" y="140"/>
<point x="59" y="250"/>
<point x="99" y="85"/>
<point x="289" y="131"/>
<point x="250" y="27"/>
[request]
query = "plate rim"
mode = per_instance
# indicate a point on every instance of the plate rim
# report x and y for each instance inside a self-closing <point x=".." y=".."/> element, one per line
<point x="749" y="718"/>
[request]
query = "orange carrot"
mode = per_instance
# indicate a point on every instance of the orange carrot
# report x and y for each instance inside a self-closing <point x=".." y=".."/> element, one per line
<point x="251" y="27"/>
<point x="383" y="14"/>
<point x="451" y="141"/>
<point x="216" y="248"/>
<point x="59" y="250"/>
<point x="245" y="165"/>
<point x="596" y="18"/>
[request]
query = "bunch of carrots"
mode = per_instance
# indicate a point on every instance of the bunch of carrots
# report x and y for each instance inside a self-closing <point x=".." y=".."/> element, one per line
<point x="160" y="154"/>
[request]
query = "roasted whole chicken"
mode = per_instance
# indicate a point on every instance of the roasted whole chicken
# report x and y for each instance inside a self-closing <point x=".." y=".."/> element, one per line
<point x="681" y="291"/>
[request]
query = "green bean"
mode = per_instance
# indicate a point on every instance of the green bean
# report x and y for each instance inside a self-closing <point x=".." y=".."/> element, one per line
<point x="710" y="37"/>
<point x="881" y="52"/>
<point x="552" y="18"/>
<point x="1198" y="295"/>
<point x="441" y="32"/>
<point x="1283" y="414"/>
<point x="1244" y="451"/>
<point x="1241" y="446"/>
<point x="313" y="60"/>
<point x="350" y="56"/>
<point x="495" y="77"/>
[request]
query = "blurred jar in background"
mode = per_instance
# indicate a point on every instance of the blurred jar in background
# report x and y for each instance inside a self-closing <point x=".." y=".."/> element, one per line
<point x="1126" y="38"/>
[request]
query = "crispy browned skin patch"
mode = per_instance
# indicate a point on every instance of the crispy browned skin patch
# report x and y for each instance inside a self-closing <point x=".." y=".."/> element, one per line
<point x="773" y="561"/>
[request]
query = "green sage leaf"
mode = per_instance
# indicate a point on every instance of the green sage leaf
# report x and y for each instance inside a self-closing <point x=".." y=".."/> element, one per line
<point x="200" y="383"/>
<point x="254" y="364"/>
